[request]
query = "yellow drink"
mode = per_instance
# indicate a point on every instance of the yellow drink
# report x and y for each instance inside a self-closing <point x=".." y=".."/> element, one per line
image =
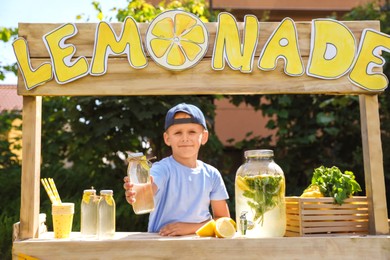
<point x="144" y="202"/>
<point x="62" y="219"/>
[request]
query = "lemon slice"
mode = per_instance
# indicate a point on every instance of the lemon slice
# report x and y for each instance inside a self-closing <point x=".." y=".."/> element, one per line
<point x="241" y="183"/>
<point x="225" y="227"/>
<point x="87" y="195"/>
<point x="177" y="40"/>
<point x="109" y="200"/>
<point x="86" y="198"/>
<point x="207" y="230"/>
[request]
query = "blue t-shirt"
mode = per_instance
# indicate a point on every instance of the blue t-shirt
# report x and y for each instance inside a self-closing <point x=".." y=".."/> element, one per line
<point x="184" y="193"/>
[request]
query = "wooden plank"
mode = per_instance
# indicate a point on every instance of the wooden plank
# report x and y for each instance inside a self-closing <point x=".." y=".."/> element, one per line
<point x="332" y="206"/>
<point x="373" y="164"/>
<point x="152" y="246"/>
<point x="291" y="200"/>
<point x="346" y="224"/>
<point x="121" y="80"/>
<point x="334" y="230"/>
<point x="84" y="40"/>
<point x="30" y="182"/>
<point x="352" y="210"/>
<point x="335" y="217"/>
<point x="334" y="5"/>
<point x="292" y="217"/>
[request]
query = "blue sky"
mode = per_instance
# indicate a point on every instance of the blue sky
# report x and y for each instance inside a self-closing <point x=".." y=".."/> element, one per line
<point x="13" y="12"/>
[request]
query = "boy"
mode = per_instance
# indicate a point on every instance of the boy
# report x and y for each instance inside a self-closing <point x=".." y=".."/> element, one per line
<point x="184" y="187"/>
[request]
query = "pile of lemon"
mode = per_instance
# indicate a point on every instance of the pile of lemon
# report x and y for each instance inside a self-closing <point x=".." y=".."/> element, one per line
<point x="313" y="191"/>
<point x="222" y="228"/>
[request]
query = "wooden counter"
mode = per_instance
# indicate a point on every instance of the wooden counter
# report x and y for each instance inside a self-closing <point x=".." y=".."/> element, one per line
<point x="152" y="246"/>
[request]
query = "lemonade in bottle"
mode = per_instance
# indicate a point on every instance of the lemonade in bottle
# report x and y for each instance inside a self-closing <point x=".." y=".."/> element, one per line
<point x="89" y="213"/>
<point x="260" y="196"/>
<point x="138" y="172"/>
<point x="106" y="215"/>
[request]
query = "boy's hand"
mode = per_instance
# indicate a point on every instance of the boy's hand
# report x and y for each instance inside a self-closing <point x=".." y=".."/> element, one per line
<point x="180" y="229"/>
<point x="129" y="192"/>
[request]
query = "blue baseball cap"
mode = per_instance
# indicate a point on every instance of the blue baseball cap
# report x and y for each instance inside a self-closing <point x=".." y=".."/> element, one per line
<point x="194" y="112"/>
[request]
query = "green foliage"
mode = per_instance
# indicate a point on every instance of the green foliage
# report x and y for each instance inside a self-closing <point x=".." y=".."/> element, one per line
<point x="6" y="224"/>
<point x="333" y="183"/>
<point x="10" y="170"/>
<point x="309" y="130"/>
<point x="142" y="11"/>
<point x="6" y="35"/>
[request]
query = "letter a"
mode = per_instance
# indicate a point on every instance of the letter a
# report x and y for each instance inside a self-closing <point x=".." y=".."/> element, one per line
<point x="283" y="43"/>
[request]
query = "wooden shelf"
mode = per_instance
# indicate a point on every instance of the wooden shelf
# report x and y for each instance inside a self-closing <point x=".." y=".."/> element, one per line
<point x="137" y="245"/>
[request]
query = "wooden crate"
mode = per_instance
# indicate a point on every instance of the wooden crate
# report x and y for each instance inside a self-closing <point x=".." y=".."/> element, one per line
<point x="320" y="216"/>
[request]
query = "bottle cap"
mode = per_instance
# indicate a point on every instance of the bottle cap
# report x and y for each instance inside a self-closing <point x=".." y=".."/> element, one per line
<point x="134" y="155"/>
<point x="106" y="192"/>
<point x="259" y="153"/>
<point x="90" y="191"/>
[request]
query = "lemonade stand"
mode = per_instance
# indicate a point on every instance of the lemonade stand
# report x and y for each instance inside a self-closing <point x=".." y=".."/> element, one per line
<point x="177" y="54"/>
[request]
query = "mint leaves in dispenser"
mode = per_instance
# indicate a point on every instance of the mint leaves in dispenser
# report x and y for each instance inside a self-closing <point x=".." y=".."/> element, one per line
<point x="260" y="196"/>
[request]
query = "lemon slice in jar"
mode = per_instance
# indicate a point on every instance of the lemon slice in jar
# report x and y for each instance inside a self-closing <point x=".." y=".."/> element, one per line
<point x="241" y="183"/>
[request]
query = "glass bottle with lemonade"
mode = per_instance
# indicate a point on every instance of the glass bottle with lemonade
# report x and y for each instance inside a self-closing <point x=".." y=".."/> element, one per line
<point x="138" y="172"/>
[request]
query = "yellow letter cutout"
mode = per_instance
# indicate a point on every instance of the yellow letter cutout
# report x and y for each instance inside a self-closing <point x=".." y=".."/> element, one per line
<point x="65" y="70"/>
<point x="106" y="43"/>
<point x="227" y="45"/>
<point x="332" y="50"/>
<point x="32" y="78"/>
<point x="283" y="43"/>
<point x="371" y="45"/>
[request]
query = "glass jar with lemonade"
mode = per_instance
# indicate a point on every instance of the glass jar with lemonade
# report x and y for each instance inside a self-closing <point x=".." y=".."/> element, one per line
<point x="260" y="196"/>
<point x="138" y="172"/>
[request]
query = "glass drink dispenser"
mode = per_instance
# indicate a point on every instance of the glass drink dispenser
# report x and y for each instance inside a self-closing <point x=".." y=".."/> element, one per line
<point x="260" y="196"/>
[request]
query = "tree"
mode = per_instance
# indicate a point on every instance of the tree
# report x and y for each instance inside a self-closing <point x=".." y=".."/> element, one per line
<point x="7" y="35"/>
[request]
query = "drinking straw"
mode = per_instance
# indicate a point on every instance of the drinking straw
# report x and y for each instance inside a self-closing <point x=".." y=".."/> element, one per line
<point x="51" y="190"/>
<point x="54" y="189"/>
<point x="48" y="191"/>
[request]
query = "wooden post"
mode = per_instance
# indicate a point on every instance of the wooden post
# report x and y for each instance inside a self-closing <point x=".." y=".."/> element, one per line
<point x="29" y="208"/>
<point x="373" y="164"/>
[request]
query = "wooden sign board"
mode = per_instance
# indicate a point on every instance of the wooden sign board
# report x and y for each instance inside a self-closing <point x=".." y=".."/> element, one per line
<point x="120" y="78"/>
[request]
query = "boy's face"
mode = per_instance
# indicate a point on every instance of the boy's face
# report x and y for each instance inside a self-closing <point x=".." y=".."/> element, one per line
<point x="185" y="139"/>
